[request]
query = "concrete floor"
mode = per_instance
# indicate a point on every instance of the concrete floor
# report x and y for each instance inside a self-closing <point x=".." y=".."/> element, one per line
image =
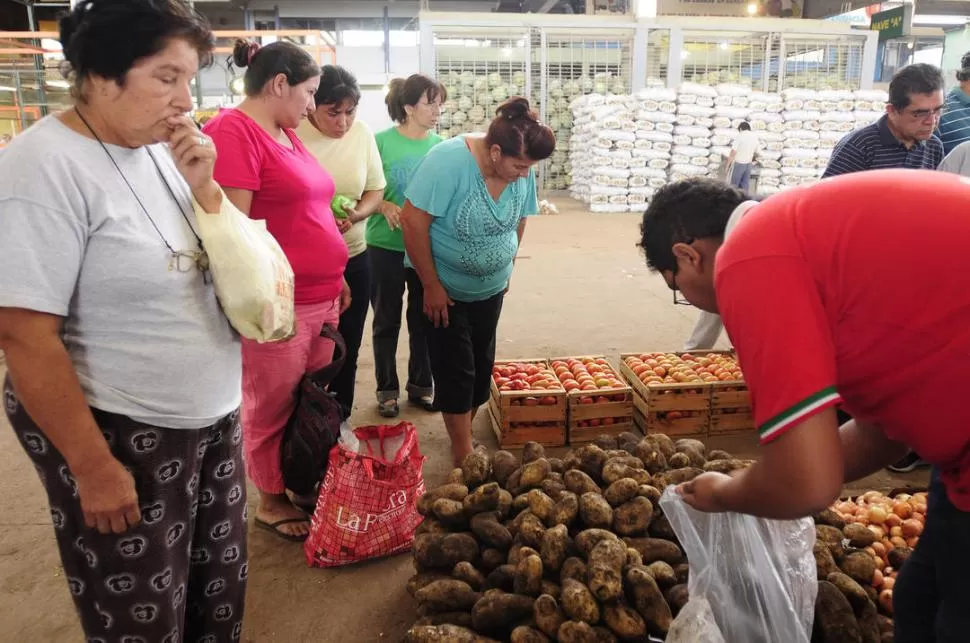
<point x="580" y="288"/>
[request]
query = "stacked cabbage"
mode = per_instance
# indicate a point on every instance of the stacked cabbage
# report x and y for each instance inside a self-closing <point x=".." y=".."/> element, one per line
<point x="473" y="97"/>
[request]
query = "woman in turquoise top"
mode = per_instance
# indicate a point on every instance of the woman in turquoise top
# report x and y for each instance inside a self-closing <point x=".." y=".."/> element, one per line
<point x="463" y="220"/>
<point x="414" y="104"/>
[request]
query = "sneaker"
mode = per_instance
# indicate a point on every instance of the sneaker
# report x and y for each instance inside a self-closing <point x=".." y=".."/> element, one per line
<point x="909" y="462"/>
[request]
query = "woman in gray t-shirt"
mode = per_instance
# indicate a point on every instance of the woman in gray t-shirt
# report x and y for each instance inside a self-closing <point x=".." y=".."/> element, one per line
<point x="124" y="374"/>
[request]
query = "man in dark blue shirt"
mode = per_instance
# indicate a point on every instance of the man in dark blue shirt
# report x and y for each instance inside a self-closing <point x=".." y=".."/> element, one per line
<point x="903" y="137"/>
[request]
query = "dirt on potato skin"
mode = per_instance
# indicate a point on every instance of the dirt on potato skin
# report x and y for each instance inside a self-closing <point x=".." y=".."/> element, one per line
<point x="580" y="287"/>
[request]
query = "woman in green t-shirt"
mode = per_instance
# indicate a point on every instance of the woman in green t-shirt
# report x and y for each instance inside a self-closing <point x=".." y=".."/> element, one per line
<point x="414" y="104"/>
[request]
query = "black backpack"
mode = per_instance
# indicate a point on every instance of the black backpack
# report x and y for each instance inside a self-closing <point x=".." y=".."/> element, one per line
<point x="314" y="427"/>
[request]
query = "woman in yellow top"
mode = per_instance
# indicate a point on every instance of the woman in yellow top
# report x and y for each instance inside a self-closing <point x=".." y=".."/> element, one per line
<point x="347" y="150"/>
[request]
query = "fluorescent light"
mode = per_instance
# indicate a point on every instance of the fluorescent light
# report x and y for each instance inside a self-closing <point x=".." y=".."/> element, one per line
<point x="930" y="19"/>
<point x="752" y="9"/>
<point x="646" y="9"/>
<point x="723" y="45"/>
<point x="58" y="84"/>
<point x="4" y="88"/>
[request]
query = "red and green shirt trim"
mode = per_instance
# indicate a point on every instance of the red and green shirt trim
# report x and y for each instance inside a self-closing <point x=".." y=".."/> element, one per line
<point x="798" y="413"/>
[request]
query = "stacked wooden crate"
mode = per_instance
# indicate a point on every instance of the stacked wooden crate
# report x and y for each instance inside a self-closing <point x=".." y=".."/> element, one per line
<point x="708" y="399"/>
<point x="533" y="412"/>
<point x="730" y="408"/>
<point x="600" y="404"/>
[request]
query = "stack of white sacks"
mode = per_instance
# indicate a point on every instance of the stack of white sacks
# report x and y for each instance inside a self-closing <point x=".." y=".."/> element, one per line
<point x="601" y="151"/>
<point x="620" y="148"/>
<point x="655" y="116"/>
<point x="626" y="147"/>
<point x="814" y="122"/>
<point x="691" y="153"/>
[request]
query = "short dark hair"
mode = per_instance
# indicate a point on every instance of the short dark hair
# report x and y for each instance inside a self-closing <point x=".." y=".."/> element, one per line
<point x="695" y="208"/>
<point x="744" y="126"/>
<point x="263" y="64"/>
<point x="517" y="131"/>
<point x="401" y="92"/>
<point x="963" y="74"/>
<point x="919" y="78"/>
<point x="107" y="37"/>
<point x="336" y="86"/>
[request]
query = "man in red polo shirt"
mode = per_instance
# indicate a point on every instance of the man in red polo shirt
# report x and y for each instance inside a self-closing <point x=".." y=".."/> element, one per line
<point x="853" y="291"/>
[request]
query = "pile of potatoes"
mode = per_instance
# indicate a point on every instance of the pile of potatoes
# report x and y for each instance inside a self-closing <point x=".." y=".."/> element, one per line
<point x="574" y="550"/>
<point x="849" y="608"/>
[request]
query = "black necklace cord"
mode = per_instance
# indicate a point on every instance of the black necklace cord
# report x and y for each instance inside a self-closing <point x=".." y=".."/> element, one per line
<point x="201" y="259"/>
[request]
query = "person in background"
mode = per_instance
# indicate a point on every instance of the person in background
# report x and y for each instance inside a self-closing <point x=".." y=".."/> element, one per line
<point x="124" y="373"/>
<point x="742" y="155"/>
<point x="414" y="104"/>
<point x="267" y="173"/>
<point x="957" y="161"/>
<point x="903" y="137"/>
<point x="345" y="146"/>
<point x="954" y="126"/>
<point x="823" y="277"/>
<point x="463" y="220"/>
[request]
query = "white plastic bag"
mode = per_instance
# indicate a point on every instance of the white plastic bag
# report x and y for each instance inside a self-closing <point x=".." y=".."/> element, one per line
<point x="758" y="576"/>
<point x="349" y="439"/>
<point x="252" y="277"/>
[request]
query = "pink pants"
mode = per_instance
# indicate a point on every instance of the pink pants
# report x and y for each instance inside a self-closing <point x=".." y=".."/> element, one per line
<point x="271" y="376"/>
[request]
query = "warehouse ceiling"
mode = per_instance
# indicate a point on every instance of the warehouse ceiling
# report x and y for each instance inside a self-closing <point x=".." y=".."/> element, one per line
<point x="509" y="6"/>
<point x="826" y="8"/>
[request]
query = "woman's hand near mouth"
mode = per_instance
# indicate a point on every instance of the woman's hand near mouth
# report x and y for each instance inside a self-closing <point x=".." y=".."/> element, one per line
<point x="195" y="158"/>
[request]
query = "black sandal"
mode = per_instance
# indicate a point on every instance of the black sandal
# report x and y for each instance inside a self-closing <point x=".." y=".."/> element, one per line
<point x="274" y="527"/>
<point x="426" y="402"/>
<point x="388" y="409"/>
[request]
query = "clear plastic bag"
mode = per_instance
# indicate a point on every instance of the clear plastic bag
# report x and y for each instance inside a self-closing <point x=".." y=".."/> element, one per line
<point x="252" y="277"/>
<point x="754" y="578"/>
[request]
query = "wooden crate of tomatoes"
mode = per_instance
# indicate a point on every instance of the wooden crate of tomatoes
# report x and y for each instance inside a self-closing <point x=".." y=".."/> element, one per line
<point x="730" y="400"/>
<point x="598" y="401"/>
<point x="669" y="394"/>
<point x="528" y="403"/>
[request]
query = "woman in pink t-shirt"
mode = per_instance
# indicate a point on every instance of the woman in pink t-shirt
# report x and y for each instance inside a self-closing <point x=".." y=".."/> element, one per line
<point x="265" y="170"/>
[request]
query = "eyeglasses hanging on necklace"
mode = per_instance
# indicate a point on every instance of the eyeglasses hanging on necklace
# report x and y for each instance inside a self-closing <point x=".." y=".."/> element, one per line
<point x="179" y="260"/>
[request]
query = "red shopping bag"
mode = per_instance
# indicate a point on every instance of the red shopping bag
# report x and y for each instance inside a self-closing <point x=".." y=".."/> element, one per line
<point x="368" y="504"/>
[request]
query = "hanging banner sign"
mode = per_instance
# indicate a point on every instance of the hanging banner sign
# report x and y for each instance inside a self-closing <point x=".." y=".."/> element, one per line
<point x="893" y="23"/>
<point x="727" y="8"/>
<point x="732" y="8"/>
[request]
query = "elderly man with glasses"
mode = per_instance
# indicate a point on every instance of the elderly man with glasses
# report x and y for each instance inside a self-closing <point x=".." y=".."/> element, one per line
<point x="903" y="137"/>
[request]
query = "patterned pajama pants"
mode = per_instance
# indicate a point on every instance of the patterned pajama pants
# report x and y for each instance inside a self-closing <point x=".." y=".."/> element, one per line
<point x="179" y="576"/>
